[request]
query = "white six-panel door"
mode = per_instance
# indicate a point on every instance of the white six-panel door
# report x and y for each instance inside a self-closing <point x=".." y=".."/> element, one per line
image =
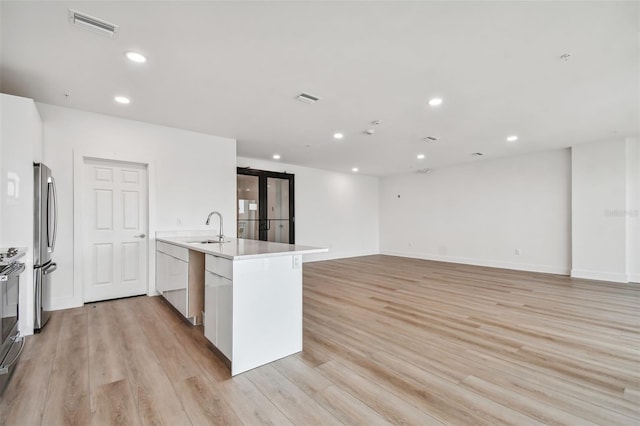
<point x="115" y="227"/>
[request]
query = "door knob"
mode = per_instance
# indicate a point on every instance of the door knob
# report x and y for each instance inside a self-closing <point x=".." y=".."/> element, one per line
<point x="139" y="236"/>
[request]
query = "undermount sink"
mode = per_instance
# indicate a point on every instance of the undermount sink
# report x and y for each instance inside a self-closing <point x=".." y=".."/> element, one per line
<point x="208" y="242"/>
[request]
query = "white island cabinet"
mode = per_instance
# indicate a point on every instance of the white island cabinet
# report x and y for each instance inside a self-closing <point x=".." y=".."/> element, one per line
<point x="252" y="298"/>
<point x="218" y="305"/>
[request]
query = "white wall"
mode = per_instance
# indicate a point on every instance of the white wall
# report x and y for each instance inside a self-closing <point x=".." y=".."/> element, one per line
<point x="334" y="210"/>
<point x="603" y="219"/>
<point x="480" y="213"/>
<point x="20" y="146"/>
<point x="190" y="174"/>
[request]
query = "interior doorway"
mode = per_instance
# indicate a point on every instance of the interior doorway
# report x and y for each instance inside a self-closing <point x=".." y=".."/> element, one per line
<point x="115" y="222"/>
<point x="265" y="206"/>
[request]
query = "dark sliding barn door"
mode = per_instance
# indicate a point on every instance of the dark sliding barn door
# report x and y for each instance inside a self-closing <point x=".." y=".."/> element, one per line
<point x="266" y="206"/>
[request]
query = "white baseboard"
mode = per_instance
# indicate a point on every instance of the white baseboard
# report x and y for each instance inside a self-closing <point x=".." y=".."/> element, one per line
<point x="60" y="303"/>
<point x="600" y="275"/>
<point x="529" y="267"/>
<point x="634" y="278"/>
<point x="308" y="258"/>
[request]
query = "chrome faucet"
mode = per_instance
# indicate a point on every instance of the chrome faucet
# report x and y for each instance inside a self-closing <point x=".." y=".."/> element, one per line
<point x="221" y="235"/>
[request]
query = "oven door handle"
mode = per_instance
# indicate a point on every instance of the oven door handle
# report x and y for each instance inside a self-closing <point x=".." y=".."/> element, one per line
<point x="4" y="369"/>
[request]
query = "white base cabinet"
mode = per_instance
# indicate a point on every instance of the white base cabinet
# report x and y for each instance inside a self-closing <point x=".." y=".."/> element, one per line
<point x="253" y="308"/>
<point x="179" y="274"/>
<point x="218" y="295"/>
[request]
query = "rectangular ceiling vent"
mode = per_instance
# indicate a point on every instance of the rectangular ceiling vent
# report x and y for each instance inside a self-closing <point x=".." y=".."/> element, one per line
<point x="93" y="24"/>
<point x="307" y="98"/>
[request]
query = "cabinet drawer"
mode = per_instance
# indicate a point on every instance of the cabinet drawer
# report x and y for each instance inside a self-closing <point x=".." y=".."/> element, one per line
<point x="172" y="250"/>
<point x="219" y="266"/>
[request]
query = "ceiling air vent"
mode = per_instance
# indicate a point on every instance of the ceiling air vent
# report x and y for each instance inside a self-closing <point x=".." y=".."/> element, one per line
<point x="430" y="139"/>
<point x="307" y="98"/>
<point x="93" y="24"/>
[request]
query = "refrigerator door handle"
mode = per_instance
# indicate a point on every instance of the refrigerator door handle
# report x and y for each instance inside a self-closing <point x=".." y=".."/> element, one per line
<point x="52" y="240"/>
<point x="49" y="269"/>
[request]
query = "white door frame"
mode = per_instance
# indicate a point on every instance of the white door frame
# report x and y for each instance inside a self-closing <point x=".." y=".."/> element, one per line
<point x="79" y="157"/>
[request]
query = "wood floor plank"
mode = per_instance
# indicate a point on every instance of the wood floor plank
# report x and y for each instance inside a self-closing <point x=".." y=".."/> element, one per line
<point x="574" y="398"/>
<point x="631" y="394"/>
<point x="204" y="404"/>
<point x="291" y="400"/>
<point x="534" y="408"/>
<point x="393" y="408"/>
<point x="105" y="365"/>
<point x="303" y="376"/>
<point x="347" y="408"/>
<point x="251" y="405"/>
<point x="68" y="395"/>
<point x="153" y="393"/>
<point x="175" y="359"/>
<point x="113" y="405"/>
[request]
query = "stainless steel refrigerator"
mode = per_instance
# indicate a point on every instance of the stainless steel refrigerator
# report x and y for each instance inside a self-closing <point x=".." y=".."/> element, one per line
<point x="44" y="241"/>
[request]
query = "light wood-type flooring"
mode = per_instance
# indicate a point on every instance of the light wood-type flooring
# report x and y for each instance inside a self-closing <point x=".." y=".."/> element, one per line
<point x="387" y="340"/>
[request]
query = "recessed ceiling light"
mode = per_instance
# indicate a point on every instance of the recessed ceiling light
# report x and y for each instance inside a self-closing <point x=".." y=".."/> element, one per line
<point x="122" y="100"/>
<point x="435" y="101"/>
<point x="430" y="139"/>
<point x="369" y="132"/>
<point x="477" y="154"/>
<point x="420" y="156"/>
<point x="355" y="169"/>
<point x="136" y="57"/>
<point x="338" y="135"/>
<point x="512" y="138"/>
<point x="276" y="156"/>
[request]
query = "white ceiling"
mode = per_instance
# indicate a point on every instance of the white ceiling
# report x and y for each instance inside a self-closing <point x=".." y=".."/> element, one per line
<point x="233" y="69"/>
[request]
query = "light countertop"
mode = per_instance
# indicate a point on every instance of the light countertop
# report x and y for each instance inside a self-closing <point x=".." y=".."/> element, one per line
<point x="239" y="248"/>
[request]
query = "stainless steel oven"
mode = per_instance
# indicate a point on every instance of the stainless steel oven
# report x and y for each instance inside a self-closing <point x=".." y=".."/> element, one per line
<point x="11" y="343"/>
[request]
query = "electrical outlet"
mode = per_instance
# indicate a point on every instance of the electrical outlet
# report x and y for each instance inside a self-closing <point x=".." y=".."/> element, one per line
<point x="517" y="252"/>
<point x="297" y="260"/>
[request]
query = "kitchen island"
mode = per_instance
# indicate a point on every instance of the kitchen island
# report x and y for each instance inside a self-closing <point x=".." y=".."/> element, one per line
<point x="252" y="294"/>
